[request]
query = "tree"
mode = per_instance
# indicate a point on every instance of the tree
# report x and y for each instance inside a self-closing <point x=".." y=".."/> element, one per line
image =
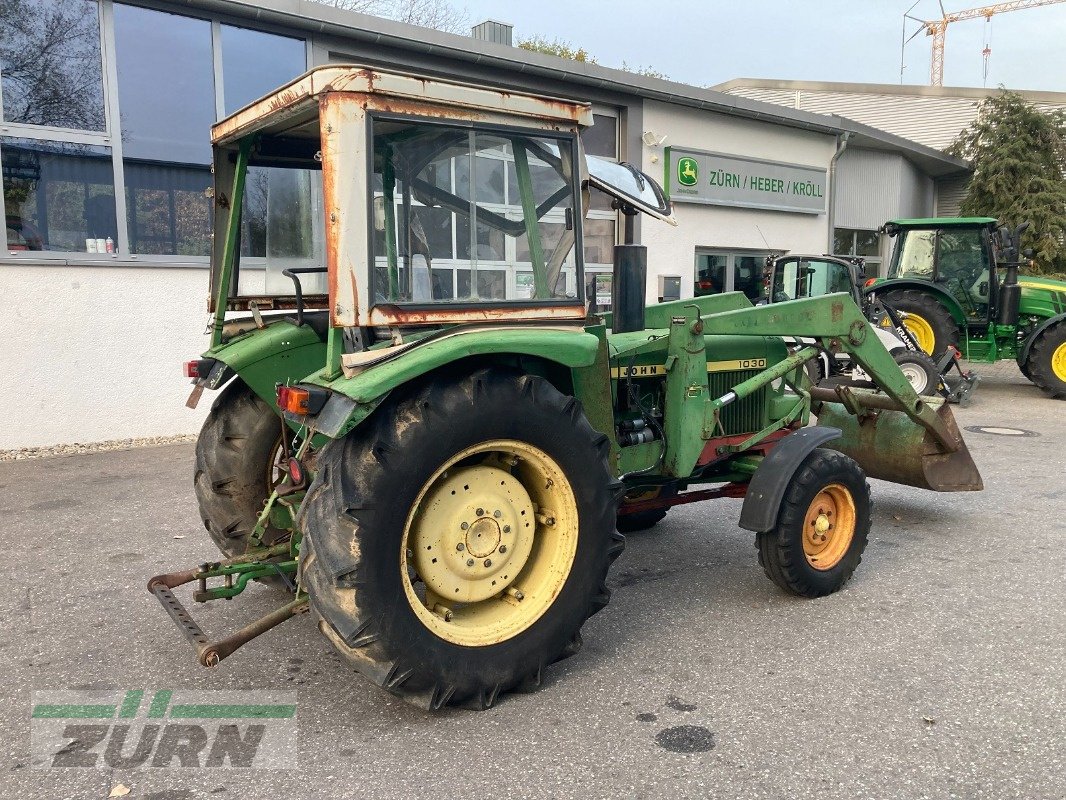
<point x="563" y="49"/>
<point x="647" y="72"/>
<point x="1018" y="153"/>
<point x="556" y="47"/>
<point x="440" y="15"/>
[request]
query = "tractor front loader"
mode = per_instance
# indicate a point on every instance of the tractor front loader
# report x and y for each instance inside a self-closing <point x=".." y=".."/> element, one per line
<point x="454" y="471"/>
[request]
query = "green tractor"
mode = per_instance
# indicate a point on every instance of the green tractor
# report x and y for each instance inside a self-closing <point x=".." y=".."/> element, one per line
<point x="956" y="283"/>
<point x="435" y="449"/>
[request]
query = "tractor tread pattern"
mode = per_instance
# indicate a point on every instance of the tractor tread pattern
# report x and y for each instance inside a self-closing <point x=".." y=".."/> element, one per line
<point x="338" y="515"/>
<point x="944" y="327"/>
<point x="781" y="552"/>
<point x="1039" y="368"/>
<point x="233" y="451"/>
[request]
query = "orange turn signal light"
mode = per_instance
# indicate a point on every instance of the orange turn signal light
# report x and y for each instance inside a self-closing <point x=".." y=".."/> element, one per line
<point x="301" y="401"/>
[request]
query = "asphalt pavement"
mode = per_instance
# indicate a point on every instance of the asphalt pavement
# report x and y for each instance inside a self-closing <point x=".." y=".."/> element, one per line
<point x="939" y="671"/>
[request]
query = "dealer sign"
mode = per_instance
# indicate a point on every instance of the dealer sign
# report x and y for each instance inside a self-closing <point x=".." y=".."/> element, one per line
<point x="696" y="176"/>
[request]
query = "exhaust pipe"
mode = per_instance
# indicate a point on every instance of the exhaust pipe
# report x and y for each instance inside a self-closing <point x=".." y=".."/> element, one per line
<point x="629" y="287"/>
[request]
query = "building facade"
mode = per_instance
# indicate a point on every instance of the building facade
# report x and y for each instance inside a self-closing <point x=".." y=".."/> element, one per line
<point x="104" y="148"/>
<point x="930" y="115"/>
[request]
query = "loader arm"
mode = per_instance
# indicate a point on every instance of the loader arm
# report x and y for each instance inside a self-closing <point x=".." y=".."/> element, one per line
<point x="839" y="324"/>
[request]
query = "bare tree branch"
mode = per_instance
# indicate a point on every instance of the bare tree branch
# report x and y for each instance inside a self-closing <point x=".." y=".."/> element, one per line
<point x="440" y="15"/>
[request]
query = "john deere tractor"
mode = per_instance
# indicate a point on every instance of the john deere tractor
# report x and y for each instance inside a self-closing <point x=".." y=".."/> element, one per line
<point x="433" y="448"/>
<point x="956" y="281"/>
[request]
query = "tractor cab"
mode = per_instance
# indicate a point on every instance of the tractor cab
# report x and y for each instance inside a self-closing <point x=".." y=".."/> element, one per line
<point x="794" y="276"/>
<point x="440" y="204"/>
<point x="956" y="255"/>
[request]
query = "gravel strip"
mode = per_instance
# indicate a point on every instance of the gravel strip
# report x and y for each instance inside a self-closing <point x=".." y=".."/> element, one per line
<point x="24" y="453"/>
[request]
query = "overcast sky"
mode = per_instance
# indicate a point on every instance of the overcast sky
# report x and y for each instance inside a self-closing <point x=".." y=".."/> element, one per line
<point x="710" y="41"/>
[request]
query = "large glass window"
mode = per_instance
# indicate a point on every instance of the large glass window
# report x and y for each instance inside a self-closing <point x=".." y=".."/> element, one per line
<point x="471" y="215"/>
<point x="718" y="272"/>
<point x="57" y="196"/>
<point x="50" y="68"/>
<point x="864" y="243"/>
<point x="165" y="85"/>
<point x="602" y="138"/>
<point x="166" y="97"/>
<point x="256" y="63"/>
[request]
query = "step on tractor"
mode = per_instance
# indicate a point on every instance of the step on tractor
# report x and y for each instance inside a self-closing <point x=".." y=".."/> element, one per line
<point x="431" y="443"/>
<point x="792" y="276"/>
<point x="956" y="283"/>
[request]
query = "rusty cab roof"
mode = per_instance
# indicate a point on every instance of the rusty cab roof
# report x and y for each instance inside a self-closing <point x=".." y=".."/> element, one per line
<point x="293" y="108"/>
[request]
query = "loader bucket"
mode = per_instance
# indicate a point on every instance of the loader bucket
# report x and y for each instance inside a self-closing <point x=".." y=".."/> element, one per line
<point x="891" y="446"/>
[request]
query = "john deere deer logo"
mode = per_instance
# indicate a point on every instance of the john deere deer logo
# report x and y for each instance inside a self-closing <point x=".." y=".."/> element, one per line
<point x="688" y="171"/>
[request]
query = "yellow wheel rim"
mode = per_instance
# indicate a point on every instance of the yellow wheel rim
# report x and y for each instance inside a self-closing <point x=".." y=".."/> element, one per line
<point x="921" y="330"/>
<point x="1058" y="362"/>
<point x="828" y="527"/>
<point x="489" y="543"/>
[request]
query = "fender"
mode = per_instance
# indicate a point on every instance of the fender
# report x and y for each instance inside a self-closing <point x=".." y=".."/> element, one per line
<point x="262" y="357"/>
<point x="771" y="479"/>
<point x="1050" y="322"/>
<point x="925" y="287"/>
<point x="366" y="384"/>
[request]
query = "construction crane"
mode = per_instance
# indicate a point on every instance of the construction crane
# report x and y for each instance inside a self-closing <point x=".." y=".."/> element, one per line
<point x="938" y="29"/>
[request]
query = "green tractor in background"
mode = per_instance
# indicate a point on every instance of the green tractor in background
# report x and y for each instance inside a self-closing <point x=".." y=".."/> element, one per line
<point x="956" y="282"/>
<point x="435" y="449"/>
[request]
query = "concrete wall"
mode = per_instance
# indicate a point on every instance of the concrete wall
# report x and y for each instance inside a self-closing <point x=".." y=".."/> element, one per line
<point x="671" y="251"/>
<point x="95" y="352"/>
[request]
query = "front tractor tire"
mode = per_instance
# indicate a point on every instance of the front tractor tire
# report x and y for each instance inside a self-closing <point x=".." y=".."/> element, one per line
<point x="237" y="467"/>
<point x="928" y="321"/>
<point x="822" y="526"/>
<point x="1046" y="364"/>
<point x="455" y="543"/>
<point x="920" y="371"/>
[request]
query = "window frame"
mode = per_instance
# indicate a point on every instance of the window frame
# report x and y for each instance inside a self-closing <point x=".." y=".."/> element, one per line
<point x="111" y="137"/>
<point x="614" y="113"/>
<point x="510" y="266"/>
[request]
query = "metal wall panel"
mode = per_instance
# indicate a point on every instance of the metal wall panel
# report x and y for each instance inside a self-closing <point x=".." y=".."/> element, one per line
<point x="949" y="194"/>
<point x="867" y="188"/>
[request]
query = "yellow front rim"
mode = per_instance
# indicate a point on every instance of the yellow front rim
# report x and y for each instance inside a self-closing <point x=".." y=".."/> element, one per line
<point x="489" y="543"/>
<point x="1058" y="362"/>
<point x="921" y="330"/>
<point x="828" y="527"/>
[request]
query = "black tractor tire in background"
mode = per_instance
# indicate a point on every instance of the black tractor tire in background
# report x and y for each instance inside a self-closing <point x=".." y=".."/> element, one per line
<point x="1047" y="352"/>
<point x="927" y="380"/>
<point x="356" y="516"/>
<point x="643" y="520"/>
<point x="235" y="454"/>
<point x="928" y="308"/>
<point x="783" y="551"/>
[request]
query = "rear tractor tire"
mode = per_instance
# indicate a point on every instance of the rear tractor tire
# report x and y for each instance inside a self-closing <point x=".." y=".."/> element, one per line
<point x="1046" y="364"/>
<point x="237" y="466"/>
<point x="928" y="321"/>
<point x="455" y="543"/>
<point x="920" y="370"/>
<point x="822" y="526"/>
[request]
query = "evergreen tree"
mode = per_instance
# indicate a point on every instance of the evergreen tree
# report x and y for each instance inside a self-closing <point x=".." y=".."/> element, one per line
<point x="1018" y="153"/>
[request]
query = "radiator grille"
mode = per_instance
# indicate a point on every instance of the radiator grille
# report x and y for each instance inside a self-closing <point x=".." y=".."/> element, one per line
<point x="741" y="416"/>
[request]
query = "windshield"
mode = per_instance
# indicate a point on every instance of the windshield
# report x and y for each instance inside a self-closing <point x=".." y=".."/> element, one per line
<point x="914" y="255"/>
<point x="464" y="215"/>
<point x="809" y="278"/>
